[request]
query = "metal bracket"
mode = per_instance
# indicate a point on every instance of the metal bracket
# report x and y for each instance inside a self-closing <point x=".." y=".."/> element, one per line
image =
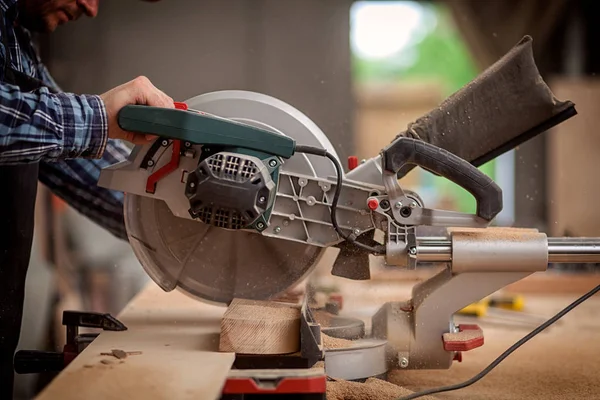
<point x="35" y="361"/>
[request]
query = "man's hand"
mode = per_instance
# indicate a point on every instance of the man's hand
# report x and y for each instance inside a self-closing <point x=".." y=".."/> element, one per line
<point x="138" y="91"/>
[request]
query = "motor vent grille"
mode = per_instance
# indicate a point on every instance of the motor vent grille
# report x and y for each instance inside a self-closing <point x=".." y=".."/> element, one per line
<point x="232" y="167"/>
<point x="221" y="218"/>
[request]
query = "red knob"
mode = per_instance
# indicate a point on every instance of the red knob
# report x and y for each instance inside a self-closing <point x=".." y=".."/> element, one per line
<point x="373" y="204"/>
<point x="352" y="162"/>
<point x="180" y="106"/>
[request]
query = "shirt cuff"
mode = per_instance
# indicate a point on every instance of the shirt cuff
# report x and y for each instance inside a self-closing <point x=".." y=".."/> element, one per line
<point x="85" y="125"/>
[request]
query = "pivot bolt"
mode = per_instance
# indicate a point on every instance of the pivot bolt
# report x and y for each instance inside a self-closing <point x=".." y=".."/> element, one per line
<point x="272" y="163"/>
<point x="403" y="362"/>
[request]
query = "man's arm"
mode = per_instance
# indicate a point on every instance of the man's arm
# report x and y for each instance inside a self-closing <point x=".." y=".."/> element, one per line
<point x="42" y="125"/>
<point x="69" y="135"/>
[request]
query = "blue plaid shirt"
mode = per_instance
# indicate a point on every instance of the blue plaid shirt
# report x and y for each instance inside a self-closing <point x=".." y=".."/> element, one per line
<point x="66" y="133"/>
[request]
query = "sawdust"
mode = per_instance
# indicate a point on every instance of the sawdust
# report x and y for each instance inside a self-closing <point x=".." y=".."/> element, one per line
<point x="335" y="343"/>
<point x="463" y="336"/>
<point x="322" y="318"/>
<point x="120" y="354"/>
<point x="372" y="389"/>
<point x="496" y="233"/>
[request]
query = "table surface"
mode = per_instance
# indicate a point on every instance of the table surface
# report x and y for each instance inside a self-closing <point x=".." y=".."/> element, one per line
<point x="178" y="338"/>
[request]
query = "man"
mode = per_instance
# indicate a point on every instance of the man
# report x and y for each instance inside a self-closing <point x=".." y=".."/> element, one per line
<point x="59" y="138"/>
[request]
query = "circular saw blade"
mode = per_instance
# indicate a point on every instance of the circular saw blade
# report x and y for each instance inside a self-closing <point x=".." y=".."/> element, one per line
<point x="214" y="264"/>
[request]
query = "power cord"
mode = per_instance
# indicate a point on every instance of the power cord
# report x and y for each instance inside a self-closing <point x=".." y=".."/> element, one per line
<point x="336" y="197"/>
<point x="510" y="350"/>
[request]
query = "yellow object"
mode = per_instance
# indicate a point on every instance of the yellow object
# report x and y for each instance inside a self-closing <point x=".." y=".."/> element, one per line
<point x="477" y="309"/>
<point x="507" y="302"/>
<point x="511" y="302"/>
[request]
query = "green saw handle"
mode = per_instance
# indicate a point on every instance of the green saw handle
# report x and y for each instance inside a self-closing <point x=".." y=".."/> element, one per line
<point x="201" y="128"/>
<point x="403" y="151"/>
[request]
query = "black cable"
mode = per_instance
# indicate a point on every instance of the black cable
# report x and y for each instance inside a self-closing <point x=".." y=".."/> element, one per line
<point x="511" y="349"/>
<point x="336" y="197"/>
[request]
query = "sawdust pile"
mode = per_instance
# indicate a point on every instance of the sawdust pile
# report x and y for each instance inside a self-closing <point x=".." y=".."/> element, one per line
<point x="372" y="389"/>
<point x="496" y="233"/>
<point x="335" y="343"/>
<point x="322" y="318"/>
<point x="464" y="335"/>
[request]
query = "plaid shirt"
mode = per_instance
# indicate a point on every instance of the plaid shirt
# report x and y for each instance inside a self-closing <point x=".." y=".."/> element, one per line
<point x="66" y="133"/>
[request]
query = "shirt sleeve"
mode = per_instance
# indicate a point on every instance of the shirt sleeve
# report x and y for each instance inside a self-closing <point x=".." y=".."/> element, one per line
<point x="76" y="182"/>
<point x="40" y="125"/>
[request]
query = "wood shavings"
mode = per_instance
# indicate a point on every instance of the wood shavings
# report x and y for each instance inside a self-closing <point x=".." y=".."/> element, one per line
<point x="120" y="354"/>
<point x="335" y="343"/>
<point x="496" y="233"/>
<point x="322" y="318"/>
<point x="372" y="389"/>
<point x="467" y="335"/>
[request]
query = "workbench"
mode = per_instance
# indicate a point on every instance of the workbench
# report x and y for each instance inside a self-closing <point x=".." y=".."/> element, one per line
<point x="178" y="338"/>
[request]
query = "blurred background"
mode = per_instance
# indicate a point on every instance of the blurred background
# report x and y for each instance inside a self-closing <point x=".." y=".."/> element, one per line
<point x="361" y="70"/>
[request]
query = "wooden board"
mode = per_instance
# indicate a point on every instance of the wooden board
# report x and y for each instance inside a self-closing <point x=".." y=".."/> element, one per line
<point x="260" y="327"/>
<point x="178" y="338"/>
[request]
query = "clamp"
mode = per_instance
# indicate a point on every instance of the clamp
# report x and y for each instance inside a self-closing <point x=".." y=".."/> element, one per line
<point x="36" y="361"/>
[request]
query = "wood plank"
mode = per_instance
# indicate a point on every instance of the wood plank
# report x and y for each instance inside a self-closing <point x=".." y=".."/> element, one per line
<point x="178" y="338"/>
<point x="260" y="327"/>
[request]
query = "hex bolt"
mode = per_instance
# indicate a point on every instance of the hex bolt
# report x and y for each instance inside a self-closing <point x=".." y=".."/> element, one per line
<point x="413" y="250"/>
<point x="192" y="185"/>
<point x="403" y="362"/>
<point x="277" y="229"/>
<point x="356" y="231"/>
<point x="273" y="163"/>
<point x="286" y="222"/>
<point x="413" y="204"/>
<point x="261" y="199"/>
<point x="260" y="225"/>
<point x="398" y="204"/>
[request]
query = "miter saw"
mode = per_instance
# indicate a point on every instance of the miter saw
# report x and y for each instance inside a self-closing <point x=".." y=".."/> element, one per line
<point x="242" y="194"/>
